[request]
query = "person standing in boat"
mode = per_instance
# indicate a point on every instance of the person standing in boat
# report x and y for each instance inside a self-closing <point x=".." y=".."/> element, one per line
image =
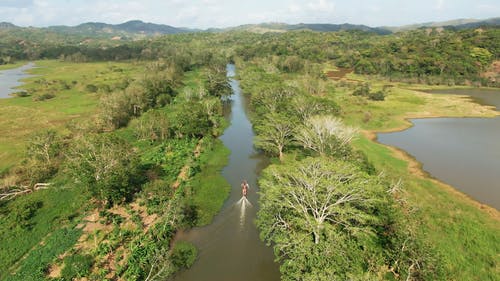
<point x="244" y="188"/>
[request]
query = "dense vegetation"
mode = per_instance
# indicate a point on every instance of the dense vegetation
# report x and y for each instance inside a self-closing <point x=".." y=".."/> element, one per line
<point x="433" y="56"/>
<point x="136" y="158"/>
<point x="132" y="153"/>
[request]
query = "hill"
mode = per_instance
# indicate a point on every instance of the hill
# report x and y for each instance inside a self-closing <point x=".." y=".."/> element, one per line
<point x="457" y="24"/>
<point x="7" y="25"/>
<point x="284" y="27"/>
<point x="127" y="28"/>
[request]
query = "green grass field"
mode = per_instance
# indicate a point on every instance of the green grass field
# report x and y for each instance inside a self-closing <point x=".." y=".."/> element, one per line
<point x="20" y="117"/>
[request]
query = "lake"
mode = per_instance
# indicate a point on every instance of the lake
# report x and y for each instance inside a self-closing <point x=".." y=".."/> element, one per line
<point x="462" y="152"/>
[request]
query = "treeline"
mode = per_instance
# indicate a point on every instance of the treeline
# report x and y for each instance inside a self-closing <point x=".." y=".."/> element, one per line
<point x="431" y="56"/>
<point x="133" y="150"/>
<point x="325" y="209"/>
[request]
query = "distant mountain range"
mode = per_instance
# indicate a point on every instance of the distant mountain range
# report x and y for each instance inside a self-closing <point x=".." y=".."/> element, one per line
<point x="139" y="28"/>
<point x="455" y="24"/>
<point x="283" y="27"/>
<point x="131" y="27"/>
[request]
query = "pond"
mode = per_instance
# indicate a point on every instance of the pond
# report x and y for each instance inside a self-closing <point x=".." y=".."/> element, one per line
<point x="462" y="152"/>
<point x="11" y="78"/>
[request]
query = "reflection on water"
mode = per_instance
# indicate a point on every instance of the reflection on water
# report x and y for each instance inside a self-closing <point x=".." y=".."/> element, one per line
<point x="230" y="248"/>
<point x="11" y="78"/>
<point x="463" y="152"/>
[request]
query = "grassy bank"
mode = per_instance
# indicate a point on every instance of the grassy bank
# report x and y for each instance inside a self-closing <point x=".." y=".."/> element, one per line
<point x="210" y="189"/>
<point x="464" y="232"/>
<point x="68" y="97"/>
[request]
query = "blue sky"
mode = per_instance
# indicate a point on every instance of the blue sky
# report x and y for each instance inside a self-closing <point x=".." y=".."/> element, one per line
<point x="223" y="13"/>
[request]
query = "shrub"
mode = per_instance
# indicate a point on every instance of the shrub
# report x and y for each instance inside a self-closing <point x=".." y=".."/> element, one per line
<point x="184" y="254"/>
<point x="91" y="88"/>
<point x="76" y="266"/>
<point x="44" y="96"/>
<point x="22" y="94"/>
<point x="24" y="212"/>
<point x="377" y="96"/>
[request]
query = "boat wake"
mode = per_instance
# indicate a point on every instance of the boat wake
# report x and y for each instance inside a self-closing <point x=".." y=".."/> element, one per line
<point x="243" y="203"/>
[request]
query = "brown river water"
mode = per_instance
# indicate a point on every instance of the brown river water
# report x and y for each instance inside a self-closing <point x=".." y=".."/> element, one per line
<point x="230" y="248"/>
<point x="462" y="152"/>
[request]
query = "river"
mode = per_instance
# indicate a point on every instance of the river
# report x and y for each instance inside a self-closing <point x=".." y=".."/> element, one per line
<point x="462" y="152"/>
<point x="230" y="248"/>
<point x="11" y="78"/>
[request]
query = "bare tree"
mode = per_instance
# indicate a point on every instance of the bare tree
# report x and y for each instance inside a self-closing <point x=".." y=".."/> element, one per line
<point x="324" y="134"/>
<point x="315" y="194"/>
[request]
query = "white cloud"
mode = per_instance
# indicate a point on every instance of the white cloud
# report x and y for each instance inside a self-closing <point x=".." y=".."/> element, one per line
<point x="439" y="4"/>
<point x="321" y="6"/>
<point x="221" y="13"/>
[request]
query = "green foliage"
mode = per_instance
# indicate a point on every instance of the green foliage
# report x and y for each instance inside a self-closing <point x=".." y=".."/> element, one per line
<point x="154" y="125"/>
<point x="91" y="88"/>
<point x="322" y="216"/>
<point x="363" y="89"/>
<point x="106" y="165"/>
<point x="217" y="84"/>
<point x="24" y="213"/>
<point x="42" y="212"/>
<point x="43" y="97"/>
<point x="76" y="266"/>
<point x="209" y="188"/>
<point x="183" y="254"/>
<point x="290" y="64"/>
<point x="35" y="265"/>
<point x="274" y="133"/>
<point x="377" y="96"/>
<point x="483" y="56"/>
<point x="189" y="119"/>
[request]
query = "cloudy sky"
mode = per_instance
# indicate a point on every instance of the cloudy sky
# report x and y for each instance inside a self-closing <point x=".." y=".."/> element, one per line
<point x="223" y="13"/>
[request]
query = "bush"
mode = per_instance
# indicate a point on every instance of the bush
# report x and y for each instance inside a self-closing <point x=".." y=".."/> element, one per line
<point x="76" y="266"/>
<point x="184" y="254"/>
<point x="42" y="97"/>
<point x="24" y="212"/>
<point x="377" y="96"/>
<point x="22" y="94"/>
<point x="91" y="88"/>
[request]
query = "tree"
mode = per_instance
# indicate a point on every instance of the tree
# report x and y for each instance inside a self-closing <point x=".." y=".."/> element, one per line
<point x="274" y="134"/>
<point x="306" y="106"/>
<point x="325" y="135"/>
<point x="105" y="164"/>
<point x="189" y="119"/>
<point x="217" y="84"/>
<point x="44" y="146"/>
<point x="153" y="125"/>
<point x="322" y="217"/>
<point x="115" y="110"/>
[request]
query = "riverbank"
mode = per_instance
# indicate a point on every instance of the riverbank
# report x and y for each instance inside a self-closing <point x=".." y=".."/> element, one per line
<point x="414" y="166"/>
<point x="462" y="229"/>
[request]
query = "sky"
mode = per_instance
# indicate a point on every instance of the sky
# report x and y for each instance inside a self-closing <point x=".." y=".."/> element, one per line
<point x="224" y="13"/>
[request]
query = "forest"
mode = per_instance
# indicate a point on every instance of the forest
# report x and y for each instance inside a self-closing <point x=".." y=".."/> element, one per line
<point x="132" y="155"/>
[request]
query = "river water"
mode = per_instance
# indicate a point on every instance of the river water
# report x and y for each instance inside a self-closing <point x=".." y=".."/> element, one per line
<point x="463" y="152"/>
<point x="11" y="78"/>
<point x="230" y="248"/>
